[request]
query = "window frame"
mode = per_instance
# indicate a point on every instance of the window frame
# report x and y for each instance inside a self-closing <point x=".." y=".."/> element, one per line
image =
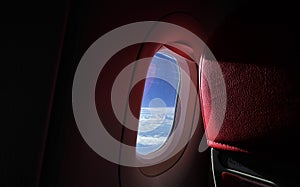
<point x="173" y="140"/>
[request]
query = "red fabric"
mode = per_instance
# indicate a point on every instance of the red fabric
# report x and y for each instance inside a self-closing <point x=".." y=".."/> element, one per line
<point x="263" y="107"/>
<point x="262" y="82"/>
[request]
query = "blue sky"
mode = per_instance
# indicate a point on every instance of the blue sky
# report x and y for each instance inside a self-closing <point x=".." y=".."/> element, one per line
<point x="165" y="68"/>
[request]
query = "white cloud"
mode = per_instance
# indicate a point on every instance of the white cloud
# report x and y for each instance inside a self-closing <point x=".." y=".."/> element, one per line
<point x="144" y="127"/>
<point x="150" y="140"/>
<point x="152" y="118"/>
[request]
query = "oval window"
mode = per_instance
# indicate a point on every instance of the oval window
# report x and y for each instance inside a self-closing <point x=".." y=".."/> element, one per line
<point x="158" y="103"/>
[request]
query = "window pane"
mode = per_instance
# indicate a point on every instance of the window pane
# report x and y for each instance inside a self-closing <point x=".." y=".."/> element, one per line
<point x="158" y="103"/>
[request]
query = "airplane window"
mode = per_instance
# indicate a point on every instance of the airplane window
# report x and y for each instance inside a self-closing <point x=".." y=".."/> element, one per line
<point x="158" y="103"/>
